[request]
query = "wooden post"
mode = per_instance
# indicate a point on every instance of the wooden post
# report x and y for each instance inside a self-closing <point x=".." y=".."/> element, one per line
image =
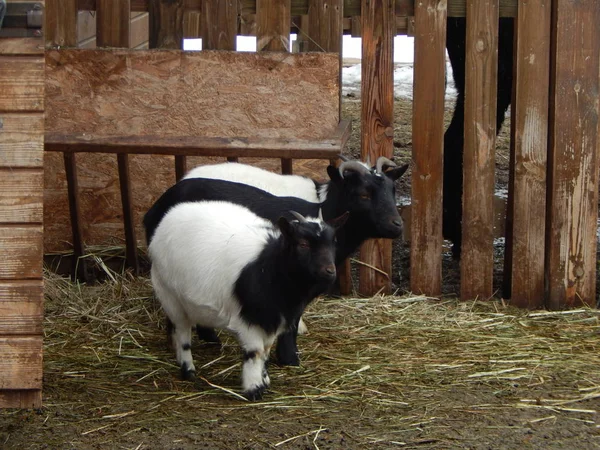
<point x="481" y="75"/>
<point x="61" y="23"/>
<point x="573" y="158"/>
<point x="428" y="143"/>
<point x="525" y="231"/>
<point x="377" y="118"/>
<point x="273" y="18"/>
<point x="21" y="221"/>
<point x="166" y="31"/>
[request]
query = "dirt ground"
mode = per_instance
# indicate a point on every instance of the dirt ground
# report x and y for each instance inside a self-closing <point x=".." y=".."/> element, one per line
<point x="392" y="372"/>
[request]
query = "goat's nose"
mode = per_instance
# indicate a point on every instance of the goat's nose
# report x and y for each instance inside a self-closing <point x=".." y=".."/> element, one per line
<point x="330" y="270"/>
<point x="397" y="222"/>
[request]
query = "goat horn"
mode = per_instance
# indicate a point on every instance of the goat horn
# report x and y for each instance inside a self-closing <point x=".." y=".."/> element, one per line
<point x="298" y="216"/>
<point x="320" y="217"/>
<point x="383" y="161"/>
<point x="369" y="161"/>
<point x="343" y="158"/>
<point x="354" y="166"/>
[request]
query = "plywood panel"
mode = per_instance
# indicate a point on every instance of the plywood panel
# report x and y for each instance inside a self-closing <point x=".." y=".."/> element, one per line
<point x="21" y="399"/>
<point x="20" y="362"/>
<point x="481" y="80"/>
<point x="22" y="81"/>
<point x="428" y="143"/>
<point x="21" y="195"/>
<point x="21" y="307"/>
<point x="21" y="140"/>
<point x="377" y="119"/>
<point x="21" y="251"/>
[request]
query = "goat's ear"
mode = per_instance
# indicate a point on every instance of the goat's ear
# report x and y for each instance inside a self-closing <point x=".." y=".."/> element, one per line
<point x="339" y="221"/>
<point x="334" y="174"/>
<point x="286" y="227"/>
<point x="396" y="172"/>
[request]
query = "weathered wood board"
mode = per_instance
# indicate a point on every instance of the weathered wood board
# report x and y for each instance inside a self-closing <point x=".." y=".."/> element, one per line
<point x="21" y="362"/>
<point x="171" y="93"/>
<point x="21" y="307"/>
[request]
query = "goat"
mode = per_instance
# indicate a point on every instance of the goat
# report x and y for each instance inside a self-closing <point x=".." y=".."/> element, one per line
<point x="220" y="265"/>
<point x="364" y="192"/>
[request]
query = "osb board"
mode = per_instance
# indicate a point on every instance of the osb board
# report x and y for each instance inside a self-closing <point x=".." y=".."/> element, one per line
<point x="21" y="140"/>
<point x="21" y="307"/>
<point x="171" y="93"/>
<point x="175" y="93"/>
<point x="21" y="195"/>
<point x="100" y="198"/>
<point x="21" y="362"/>
<point x="21" y="251"/>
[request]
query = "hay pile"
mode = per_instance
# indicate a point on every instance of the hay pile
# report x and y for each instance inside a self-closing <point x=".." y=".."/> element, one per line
<point x="386" y="371"/>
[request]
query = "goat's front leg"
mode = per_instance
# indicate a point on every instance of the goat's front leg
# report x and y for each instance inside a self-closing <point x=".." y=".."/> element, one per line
<point x="256" y="347"/>
<point x="287" y="349"/>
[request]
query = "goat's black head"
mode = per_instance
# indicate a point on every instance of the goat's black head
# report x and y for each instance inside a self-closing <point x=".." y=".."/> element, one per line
<point x="369" y="194"/>
<point x="312" y="246"/>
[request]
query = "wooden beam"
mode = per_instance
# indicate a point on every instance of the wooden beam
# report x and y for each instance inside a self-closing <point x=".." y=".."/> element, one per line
<point x="477" y="262"/>
<point x="113" y="23"/>
<point x="20" y="362"/>
<point x="61" y="23"/>
<point x="21" y="399"/>
<point x="428" y="144"/>
<point x="525" y="231"/>
<point x="273" y="18"/>
<point x="21" y="195"/>
<point x="22" y="140"/>
<point x="128" y="220"/>
<point x="21" y="46"/>
<point x="166" y="23"/>
<point x="21" y="307"/>
<point x="325" y="25"/>
<point x="22" y="81"/>
<point x="573" y="160"/>
<point x="377" y="118"/>
<point x="219" y="24"/>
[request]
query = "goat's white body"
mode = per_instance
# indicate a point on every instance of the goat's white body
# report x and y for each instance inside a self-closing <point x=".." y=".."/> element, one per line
<point x="198" y="252"/>
<point x="276" y="184"/>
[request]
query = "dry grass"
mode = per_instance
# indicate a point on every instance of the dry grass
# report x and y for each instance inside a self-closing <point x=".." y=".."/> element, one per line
<point x="390" y="371"/>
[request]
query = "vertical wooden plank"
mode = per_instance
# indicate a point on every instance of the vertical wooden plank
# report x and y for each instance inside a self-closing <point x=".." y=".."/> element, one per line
<point x="325" y="25"/>
<point x="166" y="31"/>
<point x="128" y="222"/>
<point x="61" y="23"/>
<point x="273" y="19"/>
<point x="219" y="24"/>
<point x="524" y="255"/>
<point x="481" y="79"/>
<point x="113" y="23"/>
<point x="573" y="159"/>
<point x="377" y="118"/>
<point x="22" y="399"/>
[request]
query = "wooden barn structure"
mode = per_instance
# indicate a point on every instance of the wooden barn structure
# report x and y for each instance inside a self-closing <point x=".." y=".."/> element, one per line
<point x="553" y="198"/>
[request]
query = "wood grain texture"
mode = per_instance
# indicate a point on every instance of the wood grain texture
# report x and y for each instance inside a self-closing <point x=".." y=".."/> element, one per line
<point x="20" y="362"/>
<point x="573" y="166"/>
<point x="21" y="307"/>
<point x="219" y="24"/>
<point x="21" y="46"/>
<point x="60" y="27"/>
<point x="325" y="25"/>
<point x="428" y="144"/>
<point x="113" y="23"/>
<point x="377" y="119"/>
<point x="21" y="252"/>
<point x="525" y="243"/>
<point x="21" y="140"/>
<point x="21" y="399"/>
<point x="166" y="23"/>
<point x="273" y="20"/>
<point x="21" y="195"/>
<point x="22" y="81"/>
<point x="477" y="261"/>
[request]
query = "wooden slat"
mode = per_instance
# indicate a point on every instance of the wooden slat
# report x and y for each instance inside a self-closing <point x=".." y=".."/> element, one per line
<point x="21" y="307"/>
<point x="21" y="196"/>
<point x="20" y="362"/>
<point x="22" y="81"/>
<point x="573" y="165"/>
<point x="524" y="255"/>
<point x="219" y="24"/>
<point x="481" y="77"/>
<point x="61" y="22"/>
<point x="21" y="252"/>
<point x="377" y="118"/>
<point x="166" y="23"/>
<point x="22" y="46"/>
<point x="22" y="399"/>
<point x="21" y="140"/>
<point x="113" y="23"/>
<point x="325" y="25"/>
<point x="128" y="221"/>
<point x="273" y="18"/>
<point x="428" y="143"/>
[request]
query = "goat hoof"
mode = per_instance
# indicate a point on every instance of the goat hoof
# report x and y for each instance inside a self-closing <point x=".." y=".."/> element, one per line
<point x="208" y="335"/>
<point x="255" y="393"/>
<point x="288" y="360"/>
<point x="187" y="374"/>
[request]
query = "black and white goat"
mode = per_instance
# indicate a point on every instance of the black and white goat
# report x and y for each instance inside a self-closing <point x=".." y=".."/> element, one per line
<point x="220" y="265"/>
<point x="368" y="194"/>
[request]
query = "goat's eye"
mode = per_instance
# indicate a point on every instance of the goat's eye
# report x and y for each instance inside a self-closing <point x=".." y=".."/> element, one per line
<point x="303" y="244"/>
<point x="365" y="197"/>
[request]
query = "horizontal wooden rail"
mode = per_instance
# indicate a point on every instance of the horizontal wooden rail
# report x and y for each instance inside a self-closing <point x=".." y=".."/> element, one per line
<point x="456" y="8"/>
